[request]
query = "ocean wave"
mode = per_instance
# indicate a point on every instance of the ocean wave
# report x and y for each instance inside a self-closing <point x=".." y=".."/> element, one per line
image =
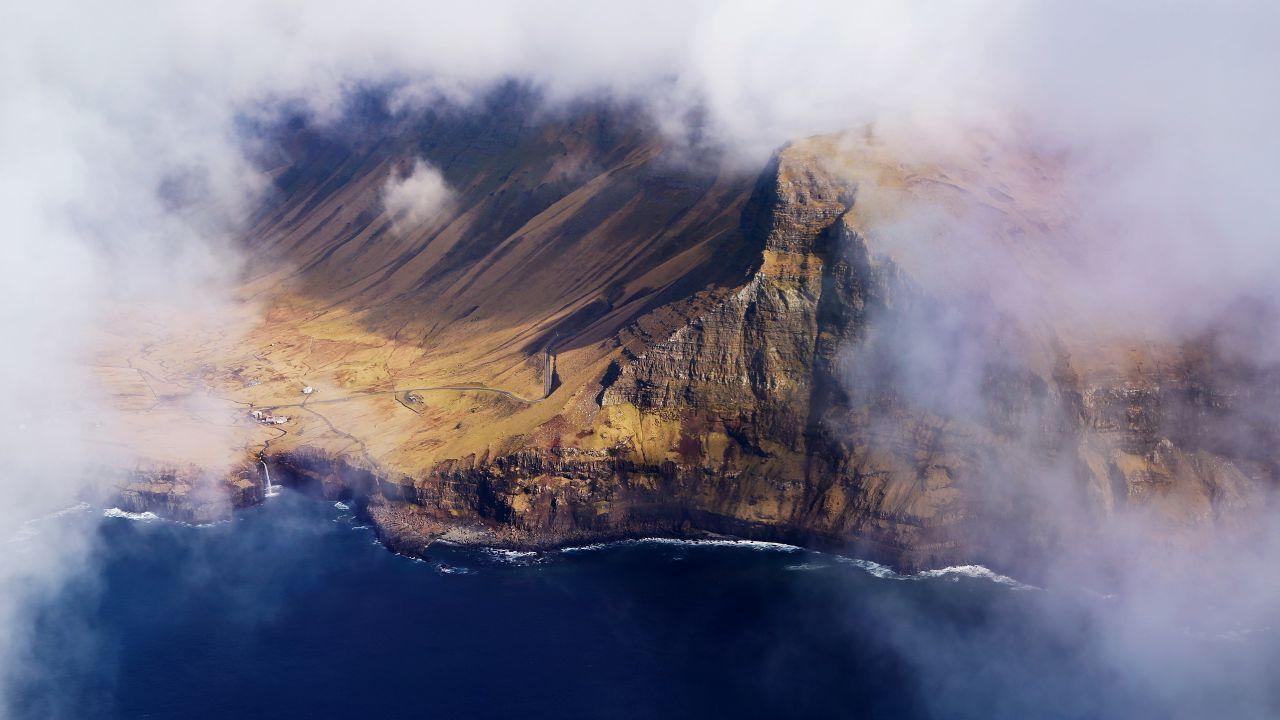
<point x="978" y="572"/>
<point x="406" y="556"/>
<point x="522" y="558"/>
<point x="873" y="568"/>
<point x="27" y="528"/>
<point x="511" y="554"/>
<point x="760" y="545"/>
<point x="146" y="516"/>
<point x="954" y="572"/>
<point x="77" y="508"/>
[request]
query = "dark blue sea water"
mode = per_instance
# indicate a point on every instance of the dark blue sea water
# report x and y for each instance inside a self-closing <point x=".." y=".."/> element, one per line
<point x="292" y="610"/>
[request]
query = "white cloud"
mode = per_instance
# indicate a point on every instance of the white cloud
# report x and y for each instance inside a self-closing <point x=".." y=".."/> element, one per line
<point x="414" y="198"/>
<point x="1167" y="112"/>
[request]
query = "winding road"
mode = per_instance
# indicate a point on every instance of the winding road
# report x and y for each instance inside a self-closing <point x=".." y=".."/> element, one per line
<point x="305" y="405"/>
<point x="374" y="393"/>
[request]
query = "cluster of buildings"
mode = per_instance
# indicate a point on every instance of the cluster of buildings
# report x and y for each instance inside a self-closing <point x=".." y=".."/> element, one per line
<point x="266" y="418"/>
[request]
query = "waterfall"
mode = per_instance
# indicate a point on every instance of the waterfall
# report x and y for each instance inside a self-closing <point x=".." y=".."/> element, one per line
<point x="272" y="490"/>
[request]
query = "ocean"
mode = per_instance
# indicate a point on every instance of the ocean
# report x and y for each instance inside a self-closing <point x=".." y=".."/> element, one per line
<point x="292" y="610"/>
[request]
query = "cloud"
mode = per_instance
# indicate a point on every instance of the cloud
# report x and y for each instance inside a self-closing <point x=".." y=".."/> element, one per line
<point x="417" y="197"/>
<point x="124" y="178"/>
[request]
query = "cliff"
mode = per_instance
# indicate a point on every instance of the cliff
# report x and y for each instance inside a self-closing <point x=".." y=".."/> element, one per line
<point x="755" y="359"/>
<point x="188" y="493"/>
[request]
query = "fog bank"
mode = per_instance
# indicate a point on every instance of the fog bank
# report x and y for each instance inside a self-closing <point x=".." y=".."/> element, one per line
<point x="125" y="177"/>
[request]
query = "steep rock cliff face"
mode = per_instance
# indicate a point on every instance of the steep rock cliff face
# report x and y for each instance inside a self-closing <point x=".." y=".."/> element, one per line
<point x="841" y="394"/>
<point x="748" y="362"/>
<point x="799" y="408"/>
<point x="751" y="386"/>
<point x="189" y="493"/>
<point x="720" y="427"/>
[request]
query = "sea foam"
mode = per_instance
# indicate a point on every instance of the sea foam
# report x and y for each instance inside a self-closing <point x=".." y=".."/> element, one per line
<point x="522" y="558"/>
<point x="955" y="572"/>
<point x="974" y="571"/>
<point x="746" y="544"/>
<point x="146" y="516"/>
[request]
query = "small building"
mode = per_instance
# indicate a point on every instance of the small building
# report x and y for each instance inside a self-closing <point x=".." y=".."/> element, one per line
<point x="266" y="418"/>
<point x="308" y="390"/>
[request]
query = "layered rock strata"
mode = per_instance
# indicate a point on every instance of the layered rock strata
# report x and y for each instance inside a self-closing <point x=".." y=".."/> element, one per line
<point x="838" y="399"/>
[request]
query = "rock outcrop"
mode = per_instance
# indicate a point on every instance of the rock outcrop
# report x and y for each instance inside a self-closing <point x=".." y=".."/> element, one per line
<point x="188" y="493"/>
<point x="787" y="412"/>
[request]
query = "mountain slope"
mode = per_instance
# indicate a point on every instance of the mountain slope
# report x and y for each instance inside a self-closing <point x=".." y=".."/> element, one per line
<point x="754" y="356"/>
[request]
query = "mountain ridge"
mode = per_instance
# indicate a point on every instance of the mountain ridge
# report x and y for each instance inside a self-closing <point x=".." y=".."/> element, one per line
<point x="746" y="356"/>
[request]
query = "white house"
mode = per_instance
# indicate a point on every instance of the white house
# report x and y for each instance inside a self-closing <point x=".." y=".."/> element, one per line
<point x="267" y="418"/>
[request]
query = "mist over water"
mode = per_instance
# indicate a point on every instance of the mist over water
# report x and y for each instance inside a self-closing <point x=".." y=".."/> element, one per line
<point x="292" y="610"/>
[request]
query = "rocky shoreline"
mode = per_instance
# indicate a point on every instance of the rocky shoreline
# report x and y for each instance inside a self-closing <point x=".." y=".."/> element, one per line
<point x="188" y="494"/>
<point x="501" y="505"/>
<point x="785" y="410"/>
